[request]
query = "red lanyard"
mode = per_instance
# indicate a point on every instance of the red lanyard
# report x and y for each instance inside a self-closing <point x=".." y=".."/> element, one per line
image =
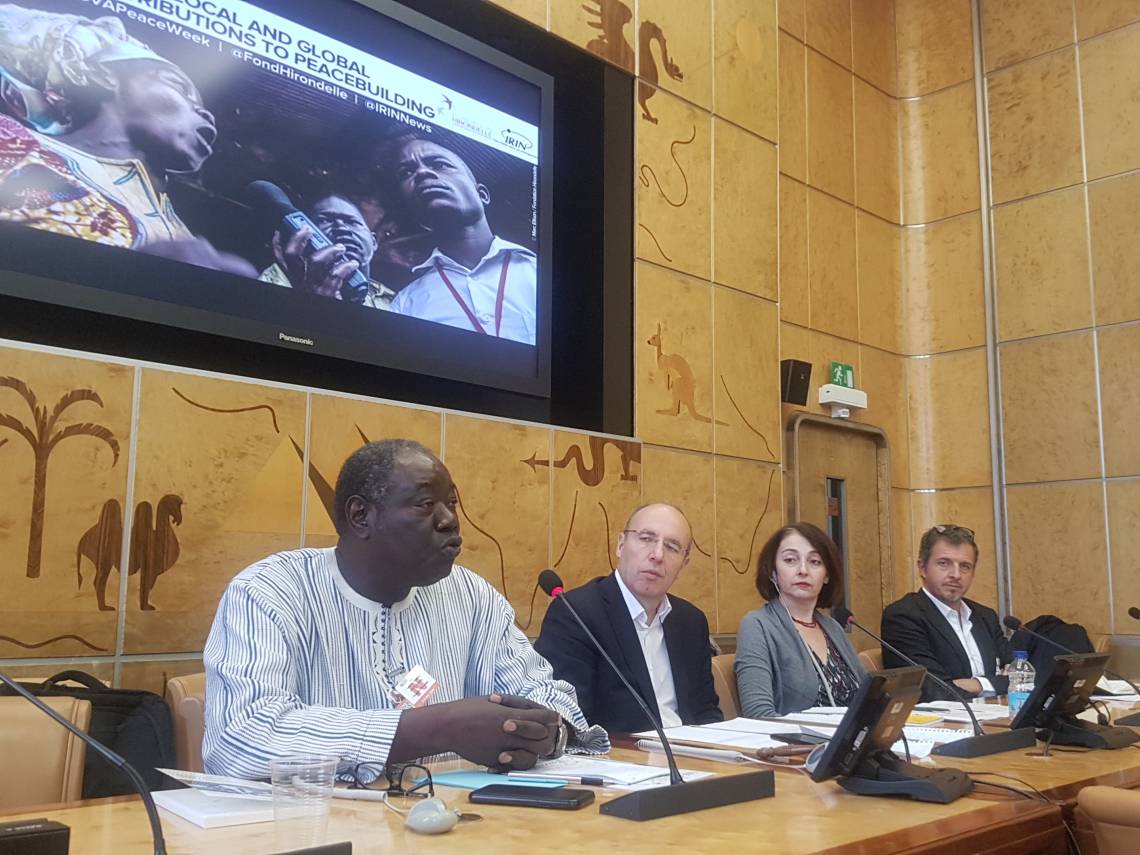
<point x="498" y="297"/>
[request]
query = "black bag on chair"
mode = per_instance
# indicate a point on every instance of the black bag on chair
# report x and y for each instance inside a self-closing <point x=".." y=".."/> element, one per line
<point x="133" y="723"/>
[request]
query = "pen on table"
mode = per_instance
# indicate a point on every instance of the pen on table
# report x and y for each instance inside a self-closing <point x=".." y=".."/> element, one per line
<point x="538" y="777"/>
<point x="362" y="795"/>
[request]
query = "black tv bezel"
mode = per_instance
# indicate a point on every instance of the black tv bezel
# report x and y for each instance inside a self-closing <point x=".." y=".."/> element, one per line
<point x="590" y="229"/>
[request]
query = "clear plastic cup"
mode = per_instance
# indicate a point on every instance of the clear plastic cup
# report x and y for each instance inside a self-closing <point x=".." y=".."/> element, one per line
<point x="302" y="791"/>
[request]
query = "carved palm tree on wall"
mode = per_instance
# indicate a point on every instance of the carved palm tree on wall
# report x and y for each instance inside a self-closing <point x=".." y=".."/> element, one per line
<point x="43" y="437"/>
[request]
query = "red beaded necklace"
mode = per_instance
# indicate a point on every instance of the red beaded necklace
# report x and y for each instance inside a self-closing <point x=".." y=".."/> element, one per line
<point x="810" y="624"/>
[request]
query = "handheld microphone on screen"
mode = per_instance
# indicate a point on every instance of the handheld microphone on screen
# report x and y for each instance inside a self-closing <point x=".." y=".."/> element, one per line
<point x="680" y="796"/>
<point x="978" y="745"/>
<point x="273" y="205"/>
<point x="1012" y="623"/>
<point x="112" y="757"/>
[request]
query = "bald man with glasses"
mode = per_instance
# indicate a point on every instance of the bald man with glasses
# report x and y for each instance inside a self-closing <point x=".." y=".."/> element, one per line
<point x="659" y="641"/>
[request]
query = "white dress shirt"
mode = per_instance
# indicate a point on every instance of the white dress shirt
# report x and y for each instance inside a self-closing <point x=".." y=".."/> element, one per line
<point x="963" y="628"/>
<point x="297" y="662"/>
<point x="428" y="297"/>
<point x="652" y="638"/>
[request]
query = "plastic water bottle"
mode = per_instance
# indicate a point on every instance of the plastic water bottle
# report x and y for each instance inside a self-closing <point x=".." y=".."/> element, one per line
<point x="1021" y="677"/>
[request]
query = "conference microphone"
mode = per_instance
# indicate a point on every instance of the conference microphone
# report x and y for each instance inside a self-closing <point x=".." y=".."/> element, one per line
<point x="1012" y="623"/>
<point x="680" y="796"/>
<point x="1134" y="613"/>
<point x="274" y="206"/>
<point x="978" y="745"/>
<point x="112" y="757"/>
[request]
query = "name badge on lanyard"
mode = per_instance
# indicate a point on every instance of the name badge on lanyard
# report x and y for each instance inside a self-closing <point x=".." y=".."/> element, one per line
<point x="414" y="689"/>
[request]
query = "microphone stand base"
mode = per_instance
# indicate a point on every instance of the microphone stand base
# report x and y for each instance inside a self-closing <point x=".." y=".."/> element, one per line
<point x="883" y="774"/>
<point x="689" y="796"/>
<point x="1066" y="731"/>
<point x="988" y="743"/>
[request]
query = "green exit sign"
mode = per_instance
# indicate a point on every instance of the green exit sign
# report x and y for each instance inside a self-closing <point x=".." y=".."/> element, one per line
<point x="843" y="374"/>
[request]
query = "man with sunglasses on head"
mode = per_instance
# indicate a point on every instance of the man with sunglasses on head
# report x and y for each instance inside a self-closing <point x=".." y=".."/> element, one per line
<point x="659" y="641"/>
<point x="956" y="639"/>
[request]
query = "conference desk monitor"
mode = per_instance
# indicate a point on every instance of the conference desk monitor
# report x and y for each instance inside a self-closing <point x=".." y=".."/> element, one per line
<point x="1056" y="700"/>
<point x="860" y="756"/>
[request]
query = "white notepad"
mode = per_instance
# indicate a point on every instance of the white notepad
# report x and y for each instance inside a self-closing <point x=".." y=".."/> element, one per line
<point x="211" y="811"/>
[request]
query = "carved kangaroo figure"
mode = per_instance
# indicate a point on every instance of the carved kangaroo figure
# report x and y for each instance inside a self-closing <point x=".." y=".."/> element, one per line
<point x="679" y="380"/>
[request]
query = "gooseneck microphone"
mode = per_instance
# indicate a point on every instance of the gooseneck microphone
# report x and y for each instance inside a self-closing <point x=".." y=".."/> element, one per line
<point x="1134" y="612"/>
<point x="1012" y="623"/>
<point x="112" y="757"/>
<point x="273" y="205"/>
<point x="978" y="745"/>
<point x="680" y="796"/>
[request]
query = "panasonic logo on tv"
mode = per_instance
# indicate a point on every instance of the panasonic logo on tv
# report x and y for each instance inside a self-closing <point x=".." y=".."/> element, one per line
<point x="292" y="339"/>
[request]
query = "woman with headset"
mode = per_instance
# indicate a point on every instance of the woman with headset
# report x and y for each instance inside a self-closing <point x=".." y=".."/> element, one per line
<point x="789" y="655"/>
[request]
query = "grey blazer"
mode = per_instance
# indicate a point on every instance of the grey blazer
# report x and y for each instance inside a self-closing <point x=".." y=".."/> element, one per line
<point x="774" y="671"/>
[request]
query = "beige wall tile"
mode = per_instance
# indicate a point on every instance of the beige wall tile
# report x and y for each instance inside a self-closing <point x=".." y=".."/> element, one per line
<point x="831" y="266"/>
<point x="1048" y="391"/>
<point x="793" y="108"/>
<point x="830" y="123"/>
<point x="942" y="286"/>
<point x="154" y="675"/>
<point x="338" y="427"/>
<point x="675" y="48"/>
<point x="685" y="479"/>
<point x="876" y="152"/>
<point x="1035" y="131"/>
<point x="1042" y="253"/>
<point x="883" y="377"/>
<point x="1100" y="16"/>
<point x="606" y="29"/>
<point x="744" y="45"/>
<point x="828" y="27"/>
<point x="748" y="510"/>
<point x="673" y="355"/>
<point x="791" y="15"/>
<point x="1057" y="553"/>
<point x="1124" y="535"/>
<point x="949" y="420"/>
<point x="76" y="415"/>
<point x="594" y="493"/>
<point x="938" y="138"/>
<point x="673" y="186"/>
<point x="745" y="239"/>
<point x="935" y="44"/>
<point x="1110" y="79"/>
<point x="973" y="508"/>
<point x="1016" y="30"/>
<point x="501" y="471"/>
<point x="881" y="321"/>
<point x="747" y="397"/>
<point x="873" y="43"/>
<point x="39" y="672"/>
<point x="902" y="545"/>
<point x="218" y="464"/>
<point x="794" y="292"/>
<point x="1119" y="349"/>
<point x="532" y="10"/>
<point x="1114" y="210"/>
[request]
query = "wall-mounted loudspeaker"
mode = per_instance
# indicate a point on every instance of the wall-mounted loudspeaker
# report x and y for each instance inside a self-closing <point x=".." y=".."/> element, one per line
<point x="795" y="378"/>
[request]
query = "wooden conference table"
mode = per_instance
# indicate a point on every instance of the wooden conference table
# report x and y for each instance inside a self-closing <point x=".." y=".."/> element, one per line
<point x="803" y="817"/>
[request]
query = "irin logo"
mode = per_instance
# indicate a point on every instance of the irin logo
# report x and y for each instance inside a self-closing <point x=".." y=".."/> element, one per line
<point x="516" y="140"/>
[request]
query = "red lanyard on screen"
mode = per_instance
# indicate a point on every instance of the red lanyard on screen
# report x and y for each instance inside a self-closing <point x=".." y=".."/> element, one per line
<point x="498" y="297"/>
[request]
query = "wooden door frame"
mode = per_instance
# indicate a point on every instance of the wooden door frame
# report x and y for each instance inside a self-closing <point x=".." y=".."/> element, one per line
<point x="883" y="486"/>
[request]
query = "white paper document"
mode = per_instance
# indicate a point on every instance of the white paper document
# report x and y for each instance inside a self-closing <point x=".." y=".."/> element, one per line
<point x="614" y="772"/>
<point x="221" y="785"/>
<point x="210" y="810"/>
<point x="714" y="734"/>
<point x="953" y="711"/>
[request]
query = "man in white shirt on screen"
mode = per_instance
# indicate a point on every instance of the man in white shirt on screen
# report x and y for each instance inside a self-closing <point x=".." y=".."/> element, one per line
<point x="473" y="279"/>
<point x="380" y="650"/>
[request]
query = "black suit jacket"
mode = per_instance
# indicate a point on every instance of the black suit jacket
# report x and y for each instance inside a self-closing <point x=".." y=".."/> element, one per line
<point x="601" y="696"/>
<point x="916" y="627"/>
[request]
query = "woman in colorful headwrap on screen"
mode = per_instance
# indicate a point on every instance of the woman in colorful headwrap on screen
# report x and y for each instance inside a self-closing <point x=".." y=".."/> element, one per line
<point x="92" y="123"/>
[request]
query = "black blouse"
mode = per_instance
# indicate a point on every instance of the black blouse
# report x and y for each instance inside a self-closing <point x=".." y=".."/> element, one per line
<point x="839" y="677"/>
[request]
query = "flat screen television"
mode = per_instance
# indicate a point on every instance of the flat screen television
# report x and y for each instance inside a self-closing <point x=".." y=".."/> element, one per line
<point x="351" y="179"/>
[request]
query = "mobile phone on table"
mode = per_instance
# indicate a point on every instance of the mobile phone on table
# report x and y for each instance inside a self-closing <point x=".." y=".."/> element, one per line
<point x="800" y="738"/>
<point x="559" y="798"/>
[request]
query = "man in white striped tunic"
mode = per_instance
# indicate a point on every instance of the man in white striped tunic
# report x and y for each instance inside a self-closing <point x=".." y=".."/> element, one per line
<point x="310" y="647"/>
